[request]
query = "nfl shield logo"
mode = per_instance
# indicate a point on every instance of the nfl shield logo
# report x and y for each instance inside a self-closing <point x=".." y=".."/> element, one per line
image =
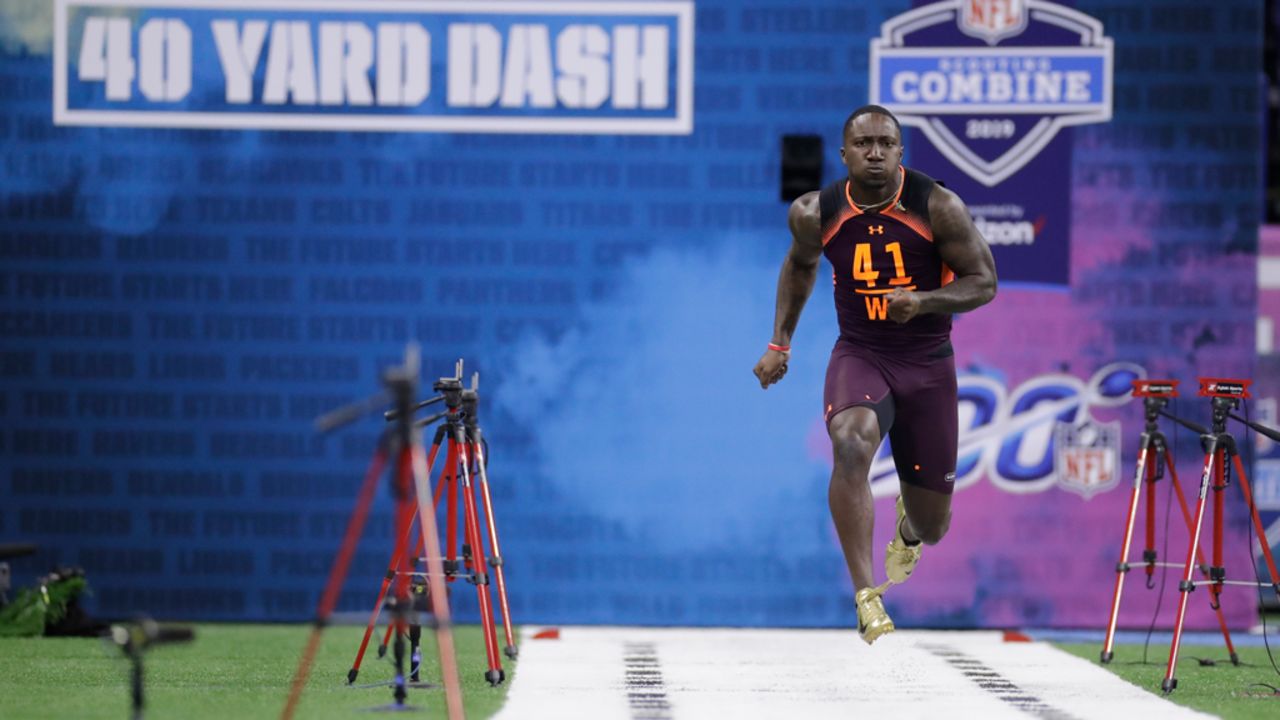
<point x="1087" y="456"/>
<point x="993" y="20"/>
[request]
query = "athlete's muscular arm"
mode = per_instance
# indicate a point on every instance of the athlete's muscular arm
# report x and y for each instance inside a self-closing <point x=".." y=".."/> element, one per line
<point x="964" y="251"/>
<point x="795" y="283"/>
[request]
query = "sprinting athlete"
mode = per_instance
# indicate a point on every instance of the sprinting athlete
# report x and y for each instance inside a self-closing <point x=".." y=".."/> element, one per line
<point x="905" y="256"/>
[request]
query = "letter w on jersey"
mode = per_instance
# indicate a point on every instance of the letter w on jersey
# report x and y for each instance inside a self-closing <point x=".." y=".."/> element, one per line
<point x="877" y="307"/>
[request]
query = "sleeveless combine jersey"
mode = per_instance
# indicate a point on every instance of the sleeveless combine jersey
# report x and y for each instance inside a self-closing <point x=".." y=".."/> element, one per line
<point x="872" y="253"/>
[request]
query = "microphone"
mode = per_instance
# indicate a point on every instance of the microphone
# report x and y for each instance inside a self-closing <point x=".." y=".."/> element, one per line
<point x="146" y="633"/>
<point x="133" y="640"/>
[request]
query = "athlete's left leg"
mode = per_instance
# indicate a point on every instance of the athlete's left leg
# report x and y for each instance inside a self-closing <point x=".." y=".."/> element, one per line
<point x="924" y="439"/>
<point x="928" y="514"/>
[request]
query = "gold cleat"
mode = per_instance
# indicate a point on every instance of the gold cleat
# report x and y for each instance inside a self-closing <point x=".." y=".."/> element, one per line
<point x="873" y="620"/>
<point x="900" y="558"/>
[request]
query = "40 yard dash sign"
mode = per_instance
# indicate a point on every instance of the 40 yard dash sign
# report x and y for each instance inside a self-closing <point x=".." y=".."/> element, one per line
<point x="431" y="66"/>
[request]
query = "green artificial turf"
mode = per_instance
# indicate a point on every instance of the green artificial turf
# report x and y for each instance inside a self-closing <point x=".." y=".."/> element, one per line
<point x="230" y="671"/>
<point x="1228" y="691"/>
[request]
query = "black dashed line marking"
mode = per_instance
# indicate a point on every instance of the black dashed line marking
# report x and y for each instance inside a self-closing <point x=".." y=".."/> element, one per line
<point x="987" y="678"/>
<point x="646" y="689"/>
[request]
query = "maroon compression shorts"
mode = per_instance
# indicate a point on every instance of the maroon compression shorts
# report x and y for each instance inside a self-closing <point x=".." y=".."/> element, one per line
<point x="914" y="400"/>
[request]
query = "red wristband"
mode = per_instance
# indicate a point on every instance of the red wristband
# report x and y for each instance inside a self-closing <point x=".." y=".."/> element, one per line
<point x="780" y="348"/>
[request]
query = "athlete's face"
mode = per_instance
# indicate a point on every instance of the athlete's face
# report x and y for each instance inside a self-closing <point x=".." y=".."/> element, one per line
<point x="872" y="149"/>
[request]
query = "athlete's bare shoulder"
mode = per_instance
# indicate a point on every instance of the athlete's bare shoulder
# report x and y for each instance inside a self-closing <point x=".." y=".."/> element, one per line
<point x="959" y="243"/>
<point x="805" y="220"/>
<point x="947" y="210"/>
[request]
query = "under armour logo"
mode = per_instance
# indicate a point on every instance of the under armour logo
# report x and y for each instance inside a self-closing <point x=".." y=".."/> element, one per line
<point x="875" y="229"/>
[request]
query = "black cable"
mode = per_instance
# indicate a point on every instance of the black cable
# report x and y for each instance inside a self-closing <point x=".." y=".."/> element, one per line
<point x="1164" y="552"/>
<point x="1253" y="560"/>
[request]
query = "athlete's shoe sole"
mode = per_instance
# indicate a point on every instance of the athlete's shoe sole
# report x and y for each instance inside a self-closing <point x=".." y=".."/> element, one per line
<point x="900" y="558"/>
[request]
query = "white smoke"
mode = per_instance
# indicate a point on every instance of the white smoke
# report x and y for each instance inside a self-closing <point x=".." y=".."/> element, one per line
<point x="26" y="26"/>
<point x="648" y="413"/>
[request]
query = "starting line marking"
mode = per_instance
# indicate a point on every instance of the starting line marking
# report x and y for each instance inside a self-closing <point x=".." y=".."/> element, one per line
<point x="604" y="673"/>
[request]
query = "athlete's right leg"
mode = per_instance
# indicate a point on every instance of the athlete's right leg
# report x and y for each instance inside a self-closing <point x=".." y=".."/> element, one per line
<point x="859" y="411"/>
<point x="855" y="436"/>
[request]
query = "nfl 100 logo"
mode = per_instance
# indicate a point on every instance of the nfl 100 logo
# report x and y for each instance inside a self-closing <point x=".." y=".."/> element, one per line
<point x="991" y="82"/>
<point x="1086" y="456"/>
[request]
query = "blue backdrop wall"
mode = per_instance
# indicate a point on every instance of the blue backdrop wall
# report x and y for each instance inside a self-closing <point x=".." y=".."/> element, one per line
<point x="177" y="304"/>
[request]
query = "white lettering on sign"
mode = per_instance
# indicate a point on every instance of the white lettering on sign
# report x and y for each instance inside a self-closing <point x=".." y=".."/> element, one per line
<point x="516" y="71"/>
<point x="615" y="66"/>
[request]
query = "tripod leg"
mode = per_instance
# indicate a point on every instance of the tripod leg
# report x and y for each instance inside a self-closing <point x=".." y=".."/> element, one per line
<point x="399" y="692"/>
<point x="386" y="639"/>
<point x="1185" y="587"/>
<point x="338" y="573"/>
<point x="386" y="584"/>
<point x="1257" y="526"/>
<point x="436" y="585"/>
<point x="1217" y="571"/>
<point x="377" y="609"/>
<point x="1122" y="567"/>
<point x="135" y="684"/>
<point x="1186" y="515"/>
<point x="450" y="479"/>
<point x="415" y="653"/>
<point x="511" y="650"/>
<point x="431" y="463"/>
<point x="403" y="605"/>
<point x="441" y="434"/>
<point x="439" y="492"/>
<point x="1149" y="552"/>
<point x="495" y="674"/>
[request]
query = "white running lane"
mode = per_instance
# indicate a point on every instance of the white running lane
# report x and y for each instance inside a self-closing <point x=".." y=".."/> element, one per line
<point x="606" y="673"/>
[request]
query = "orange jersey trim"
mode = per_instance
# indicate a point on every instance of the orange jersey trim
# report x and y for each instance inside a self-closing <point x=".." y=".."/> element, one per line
<point x="911" y="221"/>
<point x="884" y="291"/>
<point x="902" y="183"/>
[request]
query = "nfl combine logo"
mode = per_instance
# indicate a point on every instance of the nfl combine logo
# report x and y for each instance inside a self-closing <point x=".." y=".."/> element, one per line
<point x="1086" y="456"/>
<point x="993" y="20"/>
<point x="988" y="107"/>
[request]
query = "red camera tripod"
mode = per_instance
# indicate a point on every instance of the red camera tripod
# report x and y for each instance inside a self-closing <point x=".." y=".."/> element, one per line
<point x="1220" y="457"/>
<point x="1154" y="457"/>
<point x="465" y="459"/>
<point x="409" y="487"/>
